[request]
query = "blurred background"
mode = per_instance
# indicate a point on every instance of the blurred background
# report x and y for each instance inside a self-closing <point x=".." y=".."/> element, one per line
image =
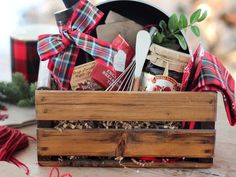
<point x="218" y="31"/>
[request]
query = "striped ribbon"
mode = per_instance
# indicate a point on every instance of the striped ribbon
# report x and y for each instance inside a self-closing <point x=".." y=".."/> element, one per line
<point x="62" y="49"/>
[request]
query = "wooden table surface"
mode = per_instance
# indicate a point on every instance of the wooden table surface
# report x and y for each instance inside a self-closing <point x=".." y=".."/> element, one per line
<point x="224" y="161"/>
<point x="225" y="151"/>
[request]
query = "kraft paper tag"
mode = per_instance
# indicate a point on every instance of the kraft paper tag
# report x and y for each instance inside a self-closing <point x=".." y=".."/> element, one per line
<point x="128" y="30"/>
<point x="114" y="17"/>
<point x="81" y="78"/>
<point x="120" y="61"/>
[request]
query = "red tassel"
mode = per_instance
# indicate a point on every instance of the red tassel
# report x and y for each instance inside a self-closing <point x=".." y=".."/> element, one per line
<point x="12" y="140"/>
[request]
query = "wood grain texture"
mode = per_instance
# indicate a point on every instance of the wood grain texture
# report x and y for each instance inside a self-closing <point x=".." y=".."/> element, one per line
<point x="128" y="164"/>
<point x="224" y="159"/>
<point x="135" y="143"/>
<point x="126" y="106"/>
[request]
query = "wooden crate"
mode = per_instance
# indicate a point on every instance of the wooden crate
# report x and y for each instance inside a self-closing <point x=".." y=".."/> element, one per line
<point x="197" y="145"/>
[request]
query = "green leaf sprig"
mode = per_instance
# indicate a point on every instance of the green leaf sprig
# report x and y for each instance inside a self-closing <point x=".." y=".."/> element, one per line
<point x="168" y="34"/>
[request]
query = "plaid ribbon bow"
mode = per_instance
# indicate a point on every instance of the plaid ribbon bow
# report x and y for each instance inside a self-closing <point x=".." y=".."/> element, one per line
<point x="62" y="49"/>
<point x="207" y="73"/>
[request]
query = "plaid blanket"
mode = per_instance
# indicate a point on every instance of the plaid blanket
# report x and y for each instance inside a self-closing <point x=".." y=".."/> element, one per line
<point x="62" y="49"/>
<point x="207" y="73"/>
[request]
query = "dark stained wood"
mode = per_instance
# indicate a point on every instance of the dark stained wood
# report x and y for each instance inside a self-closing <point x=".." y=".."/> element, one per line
<point x="207" y="125"/>
<point x="45" y="124"/>
<point x="134" y="143"/>
<point x="128" y="164"/>
<point x="126" y="106"/>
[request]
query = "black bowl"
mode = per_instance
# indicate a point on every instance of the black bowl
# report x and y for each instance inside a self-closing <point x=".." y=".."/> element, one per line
<point x="138" y="11"/>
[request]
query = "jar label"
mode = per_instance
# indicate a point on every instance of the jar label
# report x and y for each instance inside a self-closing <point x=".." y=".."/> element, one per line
<point x="159" y="83"/>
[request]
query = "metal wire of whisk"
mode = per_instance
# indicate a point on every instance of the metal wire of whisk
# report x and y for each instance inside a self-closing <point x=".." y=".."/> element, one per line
<point x="125" y="81"/>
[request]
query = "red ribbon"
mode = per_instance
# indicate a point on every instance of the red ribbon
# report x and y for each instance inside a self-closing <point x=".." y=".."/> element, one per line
<point x="62" y="49"/>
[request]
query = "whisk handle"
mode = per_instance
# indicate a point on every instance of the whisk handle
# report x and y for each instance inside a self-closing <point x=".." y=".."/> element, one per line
<point x="136" y="84"/>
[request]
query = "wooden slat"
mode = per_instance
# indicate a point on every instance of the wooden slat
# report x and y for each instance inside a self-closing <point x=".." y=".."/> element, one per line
<point x="126" y="106"/>
<point x="128" y="164"/>
<point x="135" y="143"/>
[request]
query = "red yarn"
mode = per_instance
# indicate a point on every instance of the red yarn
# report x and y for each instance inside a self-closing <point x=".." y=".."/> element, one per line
<point x="12" y="140"/>
<point x="3" y="116"/>
<point x="58" y="173"/>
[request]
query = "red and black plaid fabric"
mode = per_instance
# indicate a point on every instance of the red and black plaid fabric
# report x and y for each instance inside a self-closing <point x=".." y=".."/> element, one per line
<point x="25" y="59"/>
<point x="207" y="73"/>
<point x="62" y="50"/>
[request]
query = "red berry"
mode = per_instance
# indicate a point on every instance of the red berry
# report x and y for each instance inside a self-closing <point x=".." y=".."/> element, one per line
<point x="157" y="88"/>
<point x="167" y="89"/>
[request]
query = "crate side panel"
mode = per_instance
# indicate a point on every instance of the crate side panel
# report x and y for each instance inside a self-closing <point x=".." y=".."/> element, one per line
<point x="136" y="143"/>
<point x="125" y="106"/>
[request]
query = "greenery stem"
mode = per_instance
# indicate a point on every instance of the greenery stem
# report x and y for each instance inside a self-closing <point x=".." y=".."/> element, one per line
<point x="177" y="31"/>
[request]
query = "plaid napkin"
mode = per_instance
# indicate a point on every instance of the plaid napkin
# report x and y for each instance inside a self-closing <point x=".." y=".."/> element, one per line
<point x="207" y="73"/>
